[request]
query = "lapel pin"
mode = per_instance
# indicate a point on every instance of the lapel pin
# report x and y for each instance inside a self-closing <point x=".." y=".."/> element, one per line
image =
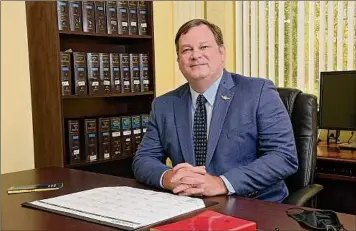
<point x="224" y="97"/>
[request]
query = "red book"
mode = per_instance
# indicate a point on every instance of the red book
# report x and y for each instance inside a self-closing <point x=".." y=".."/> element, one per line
<point x="209" y="220"/>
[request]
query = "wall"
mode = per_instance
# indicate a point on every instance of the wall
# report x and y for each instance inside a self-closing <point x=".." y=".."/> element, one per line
<point x="16" y="114"/>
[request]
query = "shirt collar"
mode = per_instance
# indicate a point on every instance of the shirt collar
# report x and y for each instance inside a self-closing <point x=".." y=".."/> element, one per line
<point x="209" y="94"/>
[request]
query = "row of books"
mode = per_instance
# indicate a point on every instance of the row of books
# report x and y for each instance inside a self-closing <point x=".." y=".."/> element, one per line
<point x="103" y="138"/>
<point x="104" y="17"/>
<point x="103" y="73"/>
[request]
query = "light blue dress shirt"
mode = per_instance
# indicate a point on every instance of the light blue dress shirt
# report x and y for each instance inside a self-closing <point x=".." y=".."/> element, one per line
<point x="209" y="95"/>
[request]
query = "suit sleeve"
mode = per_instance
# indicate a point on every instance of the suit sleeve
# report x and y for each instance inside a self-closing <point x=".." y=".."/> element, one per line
<point x="148" y="165"/>
<point x="277" y="151"/>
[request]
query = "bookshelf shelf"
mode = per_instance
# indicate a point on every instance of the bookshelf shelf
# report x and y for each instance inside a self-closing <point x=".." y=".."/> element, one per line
<point x="109" y="96"/>
<point x="62" y="63"/>
<point x="119" y="36"/>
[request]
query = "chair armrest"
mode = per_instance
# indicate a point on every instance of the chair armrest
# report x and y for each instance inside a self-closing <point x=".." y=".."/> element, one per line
<point x="301" y="196"/>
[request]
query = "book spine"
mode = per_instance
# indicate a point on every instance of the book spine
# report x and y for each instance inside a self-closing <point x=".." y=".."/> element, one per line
<point x="93" y="73"/>
<point x="126" y="136"/>
<point x="142" y="16"/>
<point x="63" y="15"/>
<point x="122" y="17"/>
<point x="105" y="73"/>
<point x="132" y="17"/>
<point x="144" y="122"/>
<point x="144" y="75"/>
<point x="104" y="138"/>
<point x="125" y="72"/>
<point x="111" y="12"/>
<point x="91" y="140"/>
<point x="135" y="73"/>
<point x="136" y="133"/>
<point x="100" y="18"/>
<point x="115" y="124"/>
<point x="115" y="73"/>
<point x="74" y="141"/>
<point x="80" y="73"/>
<point x="66" y="75"/>
<point x="88" y="16"/>
<point x="75" y="16"/>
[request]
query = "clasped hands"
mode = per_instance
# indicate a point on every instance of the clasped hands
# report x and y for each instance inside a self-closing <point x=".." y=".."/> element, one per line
<point x="185" y="179"/>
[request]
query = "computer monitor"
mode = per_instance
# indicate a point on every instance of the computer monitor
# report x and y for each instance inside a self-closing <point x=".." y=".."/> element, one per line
<point x="337" y="101"/>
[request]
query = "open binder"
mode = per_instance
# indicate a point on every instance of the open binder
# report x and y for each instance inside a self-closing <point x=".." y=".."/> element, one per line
<point x="121" y="207"/>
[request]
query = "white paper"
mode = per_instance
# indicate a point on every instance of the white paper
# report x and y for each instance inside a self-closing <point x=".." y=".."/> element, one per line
<point x="124" y="205"/>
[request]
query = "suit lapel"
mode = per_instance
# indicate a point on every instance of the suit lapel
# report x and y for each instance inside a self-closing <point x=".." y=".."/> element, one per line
<point x="222" y="102"/>
<point x="182" y="116"/>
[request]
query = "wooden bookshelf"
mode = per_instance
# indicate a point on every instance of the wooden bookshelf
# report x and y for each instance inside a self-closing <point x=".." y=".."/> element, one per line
<point x="50" y="109"/>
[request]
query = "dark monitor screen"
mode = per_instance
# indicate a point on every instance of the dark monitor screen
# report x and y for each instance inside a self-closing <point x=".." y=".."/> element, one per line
<point x="337" y="106"/>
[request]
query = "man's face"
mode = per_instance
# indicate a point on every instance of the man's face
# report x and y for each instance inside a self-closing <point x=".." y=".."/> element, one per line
<point x="199" y="56"/>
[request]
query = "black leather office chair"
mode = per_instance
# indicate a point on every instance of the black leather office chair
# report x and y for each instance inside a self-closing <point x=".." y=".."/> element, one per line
<point x="302" y="109"/>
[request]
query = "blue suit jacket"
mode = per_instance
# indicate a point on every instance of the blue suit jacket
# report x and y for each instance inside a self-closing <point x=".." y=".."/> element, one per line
<point x="250" y="142"/>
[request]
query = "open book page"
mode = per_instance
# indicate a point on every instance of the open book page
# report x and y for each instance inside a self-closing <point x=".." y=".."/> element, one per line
<point x="123" y="206"/>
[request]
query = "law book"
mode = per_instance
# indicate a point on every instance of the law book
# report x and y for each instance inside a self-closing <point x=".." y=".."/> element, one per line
<point x="91" y="140"/>
<point x="135" y="73"/>
<point x="142" y="17"/>
<point x="75" y="15"/>
<point x="132" y="12"/>
<point x="122" y="17"/>
<point x="88" y="11"/>
<point x="115" y="73"/>
<point x="63" y="15"/>
<point x="115" y="126"/>
<point x="104" y="138"/>
<point x="126" y="136"/>
<point x="73" y="141"/>
<point x="144" y="122"/>
<point x="93" y="65"/>
<point x="125" y="72"/>
<point x="34" y="188"/>
<point x="105" y="73"/>
<point x="209" y="220"/>
<point x="136" y="132"/>
<point x="66" y="75"/>
<point x="144" y="74"/>
<point x="80" y="73"/>
<point x="111" y="16"/>
<point x="100" y="17"/>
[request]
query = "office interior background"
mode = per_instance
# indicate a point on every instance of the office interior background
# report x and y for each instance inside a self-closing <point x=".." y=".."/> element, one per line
<point x="287" y="42"/>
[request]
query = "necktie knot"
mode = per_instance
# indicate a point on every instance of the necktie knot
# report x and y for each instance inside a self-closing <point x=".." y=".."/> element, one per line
<point x="201" y="100"/>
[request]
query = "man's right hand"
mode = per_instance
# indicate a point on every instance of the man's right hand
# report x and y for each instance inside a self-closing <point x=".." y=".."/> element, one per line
<point x="185" y="170"/>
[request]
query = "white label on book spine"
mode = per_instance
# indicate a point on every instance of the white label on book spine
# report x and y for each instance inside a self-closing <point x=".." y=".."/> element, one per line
<point x="81" y="83"/>
<point x="137" y="131"/>
<point x="117" y="82"/>
<point x="144" y="130"/>
<point x="124" y="23"/>
<point x="136" y="81"/>
<point x="106" y="82"/>
<point x="143" y="24"/>
<point x="106" y="155"/>
<point x="65" y="83"/>
<point x="146" y="81"/>
<point x="127" y="133"/>
<point x="76" y="152"/>
<point x="126" y="83"/>
<point x="115" y="134"/>
<point x="92" y="158"/>
<point x="133" y="24"/>
<point x="95" y="83"/>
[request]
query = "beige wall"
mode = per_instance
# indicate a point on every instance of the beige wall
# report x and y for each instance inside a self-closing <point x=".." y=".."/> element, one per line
<point x="16" y="114"/>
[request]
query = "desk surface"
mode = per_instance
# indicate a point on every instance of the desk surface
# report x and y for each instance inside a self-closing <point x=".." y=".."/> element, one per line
<point x="268" y="216"/>
<point x="333" y="153"/>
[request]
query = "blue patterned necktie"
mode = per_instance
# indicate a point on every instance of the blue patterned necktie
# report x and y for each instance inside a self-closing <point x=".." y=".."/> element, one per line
<point x="200" y="131"/>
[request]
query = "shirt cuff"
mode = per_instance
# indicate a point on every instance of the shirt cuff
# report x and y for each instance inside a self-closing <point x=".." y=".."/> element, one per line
<point x="161" y="180"/>
<point x="228" y="185"/>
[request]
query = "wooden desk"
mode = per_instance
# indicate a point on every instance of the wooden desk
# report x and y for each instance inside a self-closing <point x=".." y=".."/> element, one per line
<point x="268" y="216"/>
<point x="336" y="171"/>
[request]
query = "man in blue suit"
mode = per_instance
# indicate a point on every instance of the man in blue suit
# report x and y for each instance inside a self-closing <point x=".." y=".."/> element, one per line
<point x="224" y="133"/>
